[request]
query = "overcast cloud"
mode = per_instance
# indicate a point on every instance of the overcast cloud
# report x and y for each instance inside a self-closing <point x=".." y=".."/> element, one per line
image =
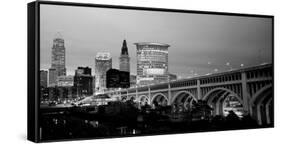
<point x="199" y="42"/>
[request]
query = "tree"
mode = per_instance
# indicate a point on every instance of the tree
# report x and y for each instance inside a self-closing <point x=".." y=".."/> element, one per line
<point x="201" y="109"/>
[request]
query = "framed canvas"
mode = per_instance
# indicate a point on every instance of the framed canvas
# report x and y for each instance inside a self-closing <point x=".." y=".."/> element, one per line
<point x="104" y="71"/>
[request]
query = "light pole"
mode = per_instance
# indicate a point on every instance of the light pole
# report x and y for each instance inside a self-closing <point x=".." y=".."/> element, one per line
<point x="228" y="64"/>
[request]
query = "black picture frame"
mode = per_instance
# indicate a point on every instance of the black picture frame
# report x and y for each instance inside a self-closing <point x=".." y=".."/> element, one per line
<point x="33" y="8"/>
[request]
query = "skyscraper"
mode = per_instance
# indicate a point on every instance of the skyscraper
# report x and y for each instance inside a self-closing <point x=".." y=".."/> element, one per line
<point x="103" y="62"/>
<point x="124" y="59"/>
<point x="58" y="60"/>
<point x="152" y="62"/>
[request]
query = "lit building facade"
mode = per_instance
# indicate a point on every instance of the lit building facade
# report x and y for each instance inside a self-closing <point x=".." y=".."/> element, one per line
<point x="65" y="81"/>
<point x="58" y="61"/>
<point x="152" y="63"/>
<point x="103" y="62"/>
<point x="124" y="59"/>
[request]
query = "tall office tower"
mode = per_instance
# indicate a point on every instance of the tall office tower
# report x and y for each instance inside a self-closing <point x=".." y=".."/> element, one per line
<point x="124" y="59"/>
<point x="103" y="62"/>
<point x="58" y="60"/>
<point x="152" y="63"/>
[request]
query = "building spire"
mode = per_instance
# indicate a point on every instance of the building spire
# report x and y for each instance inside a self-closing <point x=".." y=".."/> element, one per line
<point x="124" y="50"/>
<point x="124" y="59"/>
<point x="58" y="35"/>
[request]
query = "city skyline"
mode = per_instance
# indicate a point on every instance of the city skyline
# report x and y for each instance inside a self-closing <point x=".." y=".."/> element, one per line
<point x="149" y="72"/>
<point x="199" y="43"/>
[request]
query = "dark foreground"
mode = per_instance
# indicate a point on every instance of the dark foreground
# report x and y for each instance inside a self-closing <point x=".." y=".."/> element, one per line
<point x="119" y="120"/>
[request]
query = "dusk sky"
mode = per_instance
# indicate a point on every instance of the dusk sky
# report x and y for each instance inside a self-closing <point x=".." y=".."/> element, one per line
<point x="199" y="43"/>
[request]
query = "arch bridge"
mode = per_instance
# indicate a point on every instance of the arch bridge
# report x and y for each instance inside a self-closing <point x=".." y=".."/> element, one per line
<point x="252" y="87"/>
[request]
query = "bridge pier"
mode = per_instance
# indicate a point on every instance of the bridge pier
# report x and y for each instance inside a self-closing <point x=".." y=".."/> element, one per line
<point x="199" y="95"/>
<point x="169" y="95"/>
<point x="245" y="94"/>
<point x="267" y="108"/>
<point x="149" y="96"/>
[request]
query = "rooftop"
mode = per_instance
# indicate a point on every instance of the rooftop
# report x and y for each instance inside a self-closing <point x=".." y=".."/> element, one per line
<point x="103" y="56"/>
<point x="151" y="43"/>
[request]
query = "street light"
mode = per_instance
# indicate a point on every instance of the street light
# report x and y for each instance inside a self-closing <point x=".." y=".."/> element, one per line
<point x="228" y="64"/>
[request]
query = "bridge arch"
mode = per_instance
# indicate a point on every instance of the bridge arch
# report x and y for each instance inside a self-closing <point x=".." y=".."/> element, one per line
<point x="143" y="99"/>
<point x="259" y="93"/>
<point x="220" y="89"/>
<point x="262" y="105"/>
<point x="159" y="99"/>
<point x="217" y="97"/>
<point x="124" y="97"/>
<point x="184" y="98"/>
